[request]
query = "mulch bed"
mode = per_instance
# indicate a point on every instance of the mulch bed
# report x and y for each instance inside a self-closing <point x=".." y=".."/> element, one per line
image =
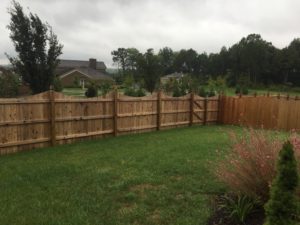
<point x="219" y="217"/>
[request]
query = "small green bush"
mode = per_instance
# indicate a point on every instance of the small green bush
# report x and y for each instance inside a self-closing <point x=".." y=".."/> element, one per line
<point x="177" y="90"/>
<point x="57" y="85"/>
<point x="281" y="208"/>
<point x="245" y="91"/>
<point x="203" y="92"/>
<point x="241" y="90"/>
<point x="9" y="85"/>
<point x="135" y="92"/>
<point x="140" y="92"/>
<point x="92" y="91"/>
<point x="105" y="87"/>
<point x="238" y="207"/>
<point x="217" y="85"/>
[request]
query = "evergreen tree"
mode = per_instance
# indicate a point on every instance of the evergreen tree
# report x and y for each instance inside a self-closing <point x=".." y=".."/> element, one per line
<point x="37" y="49"/>
<point x="282" y="206"/>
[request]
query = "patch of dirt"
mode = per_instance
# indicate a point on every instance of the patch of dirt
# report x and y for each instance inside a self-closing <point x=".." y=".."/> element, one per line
<point x="155" y="217"/>
<point x="179" y="196"/>
<point x="127" y="209"/>
<point x="141" y="188"/>
<point x="176" y="178"/>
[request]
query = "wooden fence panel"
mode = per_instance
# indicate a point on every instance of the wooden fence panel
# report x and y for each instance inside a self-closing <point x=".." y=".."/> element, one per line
<point x="24" y="123"/>
<point x="79" y="119"/>
<point x="52" y="118"/>
<point x="175" y="111"/>
<point x="137" y="114"/>
<point x="268" y="112"/>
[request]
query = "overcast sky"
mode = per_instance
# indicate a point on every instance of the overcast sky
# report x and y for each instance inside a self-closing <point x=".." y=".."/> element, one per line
<point x="93" y="28"/>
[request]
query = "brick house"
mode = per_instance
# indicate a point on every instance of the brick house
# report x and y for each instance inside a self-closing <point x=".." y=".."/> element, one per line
<point x="79" y="73"/>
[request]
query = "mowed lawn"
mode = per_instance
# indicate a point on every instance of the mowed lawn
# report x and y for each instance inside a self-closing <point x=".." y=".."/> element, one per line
<point x="152" y="178"/>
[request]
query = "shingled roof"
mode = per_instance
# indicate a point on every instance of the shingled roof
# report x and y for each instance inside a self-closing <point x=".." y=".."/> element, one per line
<point x="66" y="63"/>
<point x="89" y="72"/>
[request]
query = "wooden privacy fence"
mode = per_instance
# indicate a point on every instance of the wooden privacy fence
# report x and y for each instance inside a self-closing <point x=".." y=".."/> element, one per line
<point x="270" y="112"/>
<point x="52" y="118"/>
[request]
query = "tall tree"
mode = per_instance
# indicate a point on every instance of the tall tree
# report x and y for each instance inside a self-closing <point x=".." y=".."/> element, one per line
<point x="119" y="57"/>
<point x="186" y="61"/>
<point x="37" y="49"/>
<point x="166" y="57"/>
<point x="149" y="67"/>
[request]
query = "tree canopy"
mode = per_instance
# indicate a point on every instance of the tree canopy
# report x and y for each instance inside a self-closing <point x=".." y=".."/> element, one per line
<point x="37" y="49"/>
<point x="251" y="57"/>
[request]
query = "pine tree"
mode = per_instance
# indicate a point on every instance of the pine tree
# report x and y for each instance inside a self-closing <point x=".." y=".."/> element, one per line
<point x="37" y="49"/>
<point x="281" y="209"/>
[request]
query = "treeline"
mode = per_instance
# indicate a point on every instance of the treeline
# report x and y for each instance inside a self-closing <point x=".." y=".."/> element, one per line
<point x="252" y="57"/>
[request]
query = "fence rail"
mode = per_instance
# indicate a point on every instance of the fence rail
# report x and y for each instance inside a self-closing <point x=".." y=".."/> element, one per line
<point x="52" y="118"/>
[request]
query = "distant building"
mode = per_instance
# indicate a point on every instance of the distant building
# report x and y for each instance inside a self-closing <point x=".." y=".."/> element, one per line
<point x="79" y="73"/>
<point x="172" y="76"/>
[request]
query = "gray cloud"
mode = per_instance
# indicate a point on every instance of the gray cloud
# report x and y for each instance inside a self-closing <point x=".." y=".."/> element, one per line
<point x="93" y="28"/>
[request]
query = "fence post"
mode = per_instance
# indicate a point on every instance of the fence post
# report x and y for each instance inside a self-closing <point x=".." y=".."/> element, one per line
<point x="52" y="116"/>
<point x="220" y="108"/>
<point x="159" y="110"/>
<point x="205" y="110"/>
<point x="115" y="112"/>
<point x="192" y="99"/>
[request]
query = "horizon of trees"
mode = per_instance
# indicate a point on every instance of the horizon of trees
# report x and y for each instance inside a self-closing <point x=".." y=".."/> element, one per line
<point x="252" y="57"/>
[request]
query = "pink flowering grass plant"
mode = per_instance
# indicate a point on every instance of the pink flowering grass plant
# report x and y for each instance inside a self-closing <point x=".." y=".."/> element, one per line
<point x="250" y="165"/>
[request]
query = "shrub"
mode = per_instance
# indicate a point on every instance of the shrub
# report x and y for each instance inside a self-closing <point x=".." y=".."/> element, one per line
<point x="241" y="90"/>
<point x="57" y="85"/>
<point x="249" y="167"/>
<point x="245" y="91"/>
<point x="211" y="93"/>
<point x="204" y="93"/>
<point x="135" y="92"/>
<point x="9" y="85"/>
<point x="105" y="87"/>
<point x="180" y="87"/>
<point x="177" y="90"/>
<point x="281" y="209"/>
<point x="92" y="91"/>
<point x="217" y="85"/>
<point x="237" y="89"/>
<point x="140" y="92"/>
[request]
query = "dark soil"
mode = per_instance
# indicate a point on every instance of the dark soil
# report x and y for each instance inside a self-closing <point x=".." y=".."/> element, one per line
<point x="219" y="217"/>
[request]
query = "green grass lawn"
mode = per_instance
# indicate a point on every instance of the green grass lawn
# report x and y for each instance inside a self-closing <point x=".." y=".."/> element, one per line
<point x="79" y="92"/>
<point x="231" y="92"/>
<point x="151" y="178"/>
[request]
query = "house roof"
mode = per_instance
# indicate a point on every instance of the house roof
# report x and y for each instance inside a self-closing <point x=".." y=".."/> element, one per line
<point x="66" y="63"/>
<point x="91" y="73"/>
<point x="174" y="75"/>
